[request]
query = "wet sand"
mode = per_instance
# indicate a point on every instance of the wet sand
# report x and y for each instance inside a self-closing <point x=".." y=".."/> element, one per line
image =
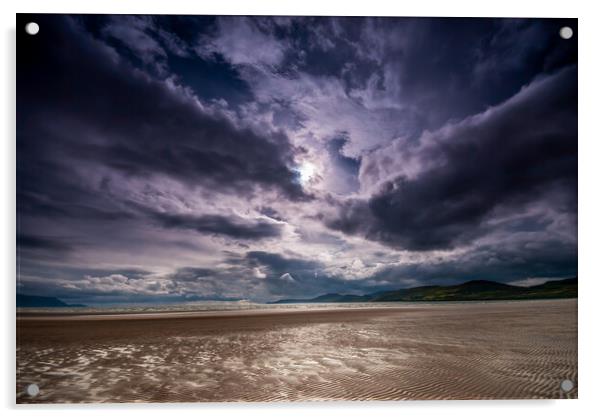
<point x="495" y="350"/>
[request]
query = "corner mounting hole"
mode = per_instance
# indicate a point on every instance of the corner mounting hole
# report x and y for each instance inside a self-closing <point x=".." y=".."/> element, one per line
<point x="567" y="385"/>
<point x="566" y="32"/>
<point x="32" y="28"/>
<point x="33" y="390"/>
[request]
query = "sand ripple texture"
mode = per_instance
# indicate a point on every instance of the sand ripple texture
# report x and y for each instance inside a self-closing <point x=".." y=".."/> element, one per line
<point x="501" y="350"/>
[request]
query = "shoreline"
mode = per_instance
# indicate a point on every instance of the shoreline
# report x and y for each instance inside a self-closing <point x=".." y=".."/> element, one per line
<point x="298" y="308"/>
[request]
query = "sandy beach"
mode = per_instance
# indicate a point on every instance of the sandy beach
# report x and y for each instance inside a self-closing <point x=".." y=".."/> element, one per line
<point x="494" y="350"/>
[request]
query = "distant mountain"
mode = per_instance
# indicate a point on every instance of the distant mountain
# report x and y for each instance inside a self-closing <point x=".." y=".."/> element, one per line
<point x="472" y="290"/>
<point x="31" y="301"/>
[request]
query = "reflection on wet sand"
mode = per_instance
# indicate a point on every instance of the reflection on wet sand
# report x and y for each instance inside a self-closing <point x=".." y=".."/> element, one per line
<point x="500" y="350"/>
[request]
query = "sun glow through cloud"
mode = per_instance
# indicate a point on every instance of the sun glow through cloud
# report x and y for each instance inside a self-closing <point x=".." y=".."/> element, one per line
<point x="307" y="171"/>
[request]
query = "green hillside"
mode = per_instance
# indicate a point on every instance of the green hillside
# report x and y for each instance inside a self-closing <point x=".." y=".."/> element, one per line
<point x="472" y="290"/>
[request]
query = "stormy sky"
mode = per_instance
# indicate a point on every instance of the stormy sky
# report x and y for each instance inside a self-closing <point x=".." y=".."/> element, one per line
<point x="170" y="158"/>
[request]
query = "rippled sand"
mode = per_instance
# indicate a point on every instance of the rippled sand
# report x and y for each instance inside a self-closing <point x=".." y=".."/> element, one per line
<point x="497" y="350"/>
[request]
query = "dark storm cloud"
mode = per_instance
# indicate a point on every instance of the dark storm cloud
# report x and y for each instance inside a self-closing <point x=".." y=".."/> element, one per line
<point x="78" y="203"/>
<point x="192" y="273"/>
<point x="234" y="227"/>
<point x="506" y="157"/>
<point x="504" y="262"/>
<point x="447" y="69"/>
<point x="420" y="73"/>
<point x="32" y="242"/>
<point x="165" y="44"/>
<point x="79" y="102"/>
<point x="281" y="264"/>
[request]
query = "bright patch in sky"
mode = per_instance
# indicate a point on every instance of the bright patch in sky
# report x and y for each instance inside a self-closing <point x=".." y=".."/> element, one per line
<point x="307" y="171"/>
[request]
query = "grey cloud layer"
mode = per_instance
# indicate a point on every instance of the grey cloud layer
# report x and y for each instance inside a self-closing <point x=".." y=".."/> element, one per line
<point x="221" y="225"/>
<point x="92" y="108"/>
<point x="510" y="155"/>
<point x="183" y="157"/>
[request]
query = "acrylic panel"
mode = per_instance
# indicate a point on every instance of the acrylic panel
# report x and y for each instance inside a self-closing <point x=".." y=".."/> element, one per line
<point x="289" y="208"/>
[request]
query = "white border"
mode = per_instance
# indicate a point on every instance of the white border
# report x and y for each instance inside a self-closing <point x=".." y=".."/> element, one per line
<point x="514" y="8"/>
<point x="590" y="209"/>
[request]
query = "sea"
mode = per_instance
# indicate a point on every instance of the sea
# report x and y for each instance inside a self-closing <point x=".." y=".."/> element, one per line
<point x="208" y="306"/>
